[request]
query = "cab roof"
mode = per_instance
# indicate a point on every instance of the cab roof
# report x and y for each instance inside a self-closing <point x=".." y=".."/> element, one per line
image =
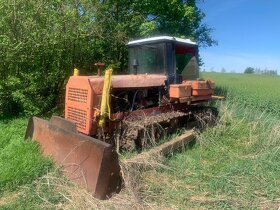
<point x="158" y="39"/>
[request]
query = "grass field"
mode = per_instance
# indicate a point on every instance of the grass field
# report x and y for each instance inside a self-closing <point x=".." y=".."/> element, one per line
<point x="234" y="165"/>
<point x="255" y="91"/>
<point x="20" y="160"/>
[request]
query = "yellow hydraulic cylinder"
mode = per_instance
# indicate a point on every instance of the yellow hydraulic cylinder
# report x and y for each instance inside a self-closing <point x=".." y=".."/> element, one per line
<point x="76" y="72"/>
<point x="105" y="97"/>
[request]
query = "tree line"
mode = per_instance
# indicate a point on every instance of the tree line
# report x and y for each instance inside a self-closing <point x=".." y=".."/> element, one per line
<point x="251" y="70"/>
<point x="41" y="41"/>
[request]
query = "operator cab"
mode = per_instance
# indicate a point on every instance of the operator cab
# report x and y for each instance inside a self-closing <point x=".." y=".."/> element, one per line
<point x="174" y="57"/>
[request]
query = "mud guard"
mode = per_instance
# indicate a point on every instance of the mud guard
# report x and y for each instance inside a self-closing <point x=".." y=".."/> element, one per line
<point x="87" y="161"/>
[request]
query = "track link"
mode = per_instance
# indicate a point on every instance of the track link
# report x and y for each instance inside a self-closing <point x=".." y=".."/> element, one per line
<point x="147" y="130"/>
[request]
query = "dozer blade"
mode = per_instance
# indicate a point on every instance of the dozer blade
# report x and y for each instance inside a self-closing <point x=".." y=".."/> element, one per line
<point x="89" y="162"/>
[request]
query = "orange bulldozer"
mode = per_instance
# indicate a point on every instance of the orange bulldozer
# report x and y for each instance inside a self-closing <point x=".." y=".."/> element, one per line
<point x="108" y="114"/>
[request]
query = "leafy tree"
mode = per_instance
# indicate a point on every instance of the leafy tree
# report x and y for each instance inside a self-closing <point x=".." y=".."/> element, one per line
<point x="175" y="17"/>
<point x="249" y="70"/>
<point x="41" y="42"/>
<point x="122" y="20"/>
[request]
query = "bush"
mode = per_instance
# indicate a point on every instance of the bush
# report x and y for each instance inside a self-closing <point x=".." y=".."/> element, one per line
<point x="41" y="42"/>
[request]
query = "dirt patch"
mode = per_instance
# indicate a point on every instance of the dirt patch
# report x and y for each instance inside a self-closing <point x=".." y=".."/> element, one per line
<point x="268" y="204"/>
<point x="9" y="197"/>
<point x="265" y="203"/>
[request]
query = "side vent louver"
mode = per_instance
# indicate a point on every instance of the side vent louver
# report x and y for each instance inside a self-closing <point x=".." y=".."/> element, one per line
<point x="78" y="116"/>
<point x="77" y="95"/>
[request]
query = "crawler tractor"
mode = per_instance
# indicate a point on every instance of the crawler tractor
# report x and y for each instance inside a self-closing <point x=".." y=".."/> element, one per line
<point x="106" y="114"/>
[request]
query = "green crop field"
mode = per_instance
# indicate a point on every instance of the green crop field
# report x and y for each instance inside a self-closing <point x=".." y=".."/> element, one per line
<point x="257" y="91"/>
<point x="234" y="165"/>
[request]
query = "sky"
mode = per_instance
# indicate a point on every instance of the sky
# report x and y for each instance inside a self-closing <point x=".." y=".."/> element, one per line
<point x="248" y="34"/>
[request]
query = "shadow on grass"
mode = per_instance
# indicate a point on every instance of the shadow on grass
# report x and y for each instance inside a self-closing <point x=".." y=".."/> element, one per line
<point x="189" y="146"/>
<point x="8" y="118"/>
<point x="221" y="91"/>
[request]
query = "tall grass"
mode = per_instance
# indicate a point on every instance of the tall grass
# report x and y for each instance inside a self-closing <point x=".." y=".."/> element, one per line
<point x="234" y="165"/>
<point x="20" y="160"/>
